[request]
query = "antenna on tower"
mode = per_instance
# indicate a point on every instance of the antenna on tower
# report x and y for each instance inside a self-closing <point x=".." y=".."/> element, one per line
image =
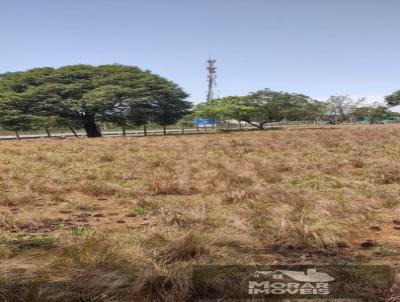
<point x="212" y="76"/>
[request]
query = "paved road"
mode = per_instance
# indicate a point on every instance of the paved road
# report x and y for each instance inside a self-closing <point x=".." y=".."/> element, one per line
<point x="109" y="133"/>
<point x="149" y="132"/>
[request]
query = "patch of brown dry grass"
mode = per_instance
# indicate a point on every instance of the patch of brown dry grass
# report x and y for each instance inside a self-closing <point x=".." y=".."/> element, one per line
<point x="115" y="205"/>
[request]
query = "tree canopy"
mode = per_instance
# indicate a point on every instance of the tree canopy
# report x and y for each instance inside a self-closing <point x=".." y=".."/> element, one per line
<point x="374" y="112"/>
<point x="393" y="99"/>
<point x="339" y="107"/>
<point x="262" y="107"/>
<point x="88" y="94"/>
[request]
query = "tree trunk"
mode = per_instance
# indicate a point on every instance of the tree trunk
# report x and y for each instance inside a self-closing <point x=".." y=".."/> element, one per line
<point x="335" y="120"/>
<point x="123" y="131"/>
<point x="47" y="131"/>
<point x="144" y="130"/>
<point x="254" y="125"/>
<point x="73" y="131"/>
<point x="165" y="129"/>
<point x="90" y="126"/>
<point x="17" y="135"/>
<point x="182" y="129"/>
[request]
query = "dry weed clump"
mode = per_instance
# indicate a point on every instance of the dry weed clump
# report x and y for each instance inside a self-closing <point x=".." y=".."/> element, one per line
<point x="126" y="217"/>
<point x="174" y="214"/>
<point x="190" y="246"/>
<point x="270" y="173"/>
<point x="170" y="184"/>
<point x="389" y="197"/>
<point x="87" y="248"/>
<point x="6" y="220"/>
<point x="298" y="218"/>
<point x="388" y="174"/>
<point x="314" y="225"/>
<point x="237" y="196"/>
<point x="98" y="188"/>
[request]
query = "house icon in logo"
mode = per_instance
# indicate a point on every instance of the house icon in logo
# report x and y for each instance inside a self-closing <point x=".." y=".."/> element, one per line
<point x="311" y="275"/>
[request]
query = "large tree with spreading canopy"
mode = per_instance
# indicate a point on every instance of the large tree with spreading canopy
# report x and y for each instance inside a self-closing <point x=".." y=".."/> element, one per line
<point x="88" y="94"/>
<point x="262" y="107"/>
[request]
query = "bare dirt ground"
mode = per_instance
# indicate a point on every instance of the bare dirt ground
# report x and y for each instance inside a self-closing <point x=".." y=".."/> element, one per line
<point x="89" y="214"/>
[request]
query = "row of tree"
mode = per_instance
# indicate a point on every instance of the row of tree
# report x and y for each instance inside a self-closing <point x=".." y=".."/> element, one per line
<point x="82" y="96"/>
<point x="266" y="106"/>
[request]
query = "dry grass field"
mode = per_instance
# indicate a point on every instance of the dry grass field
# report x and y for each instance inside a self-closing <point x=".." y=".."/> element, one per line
<point x="124" y="218"/>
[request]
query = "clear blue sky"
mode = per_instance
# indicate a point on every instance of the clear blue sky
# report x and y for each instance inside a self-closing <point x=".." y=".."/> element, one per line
<point x="316" y="47"/>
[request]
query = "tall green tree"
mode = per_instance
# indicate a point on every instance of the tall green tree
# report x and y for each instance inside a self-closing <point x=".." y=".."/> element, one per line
<point x="166" y="102"/>
<point x="393" y="99"/>
<point x="89" y="94"/>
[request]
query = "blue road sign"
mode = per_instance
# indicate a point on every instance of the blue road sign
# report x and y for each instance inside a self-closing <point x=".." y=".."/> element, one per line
<point x="204" y="121"/>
